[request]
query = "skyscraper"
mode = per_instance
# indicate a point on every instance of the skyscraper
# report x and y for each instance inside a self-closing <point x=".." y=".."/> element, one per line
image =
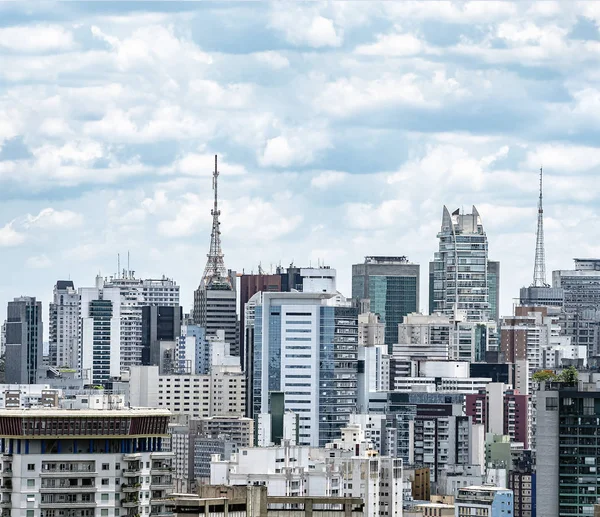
<point x="24" y="340"/>
<point x="215" y="299"/>
<point x="100" y="338"/>
<point x="64" y="325"/>
<point x="392" y="286"/>
<point x="308" y="351"/>
<point x="460" y="273"/>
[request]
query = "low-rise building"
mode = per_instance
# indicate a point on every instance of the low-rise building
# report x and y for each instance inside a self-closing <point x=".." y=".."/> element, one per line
<point x="485" y="500"/>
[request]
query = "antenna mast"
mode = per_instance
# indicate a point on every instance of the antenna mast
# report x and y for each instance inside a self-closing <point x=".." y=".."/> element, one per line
<point x="215" y="274"/>
<point x="539" y="271"/>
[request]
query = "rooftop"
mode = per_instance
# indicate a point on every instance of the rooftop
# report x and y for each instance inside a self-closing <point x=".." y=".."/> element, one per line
<point x="80" y="413"/>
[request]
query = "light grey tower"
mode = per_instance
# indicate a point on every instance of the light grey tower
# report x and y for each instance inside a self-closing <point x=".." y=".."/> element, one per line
<point x="215" y="305"/>
<point x="459" y="273"/>
<point x="24" y="340"/>
<point x="64" y="325"/>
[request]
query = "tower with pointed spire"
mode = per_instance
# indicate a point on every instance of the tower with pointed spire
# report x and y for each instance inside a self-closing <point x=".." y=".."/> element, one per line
<point x="539" y="270"/>
<point x="215" y="298"/>
<point x="540" y="293"/>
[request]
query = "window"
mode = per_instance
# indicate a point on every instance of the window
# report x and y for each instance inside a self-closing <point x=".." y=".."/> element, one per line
<point x="29" y="513"/>
<point x="105" y="466"/>
<point x="104" y="511"/>
<point x="117" y="466"/>
<point x="30" y="483"/>
<point x="551" y="403"/>
<point x="31" y="466"/>
<point x="104" y="497"/>
<point x="105" y="481"/>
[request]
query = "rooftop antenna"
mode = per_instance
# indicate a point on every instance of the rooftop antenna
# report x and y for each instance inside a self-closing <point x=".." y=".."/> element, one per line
<point x="118" y="265"/>
<point x="539" y="269"/>
<point x="128" y="270"/>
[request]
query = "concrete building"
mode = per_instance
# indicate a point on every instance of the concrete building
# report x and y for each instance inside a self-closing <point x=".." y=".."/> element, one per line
<point x="501" y="410"/>
<point x="581" y="307"/>
<point x="253" y="501"/>
<point x="84" y="462"/>
<point x="455" y="477"/>
<point x="100" y="336"/>
<point x="239" y="429"/>
<point x="392" y="286"/>
<point x="24" y="340"/>
<point x="64" y="325"/>
<point x="215" y="309"/>
<point x="523" y="485"/>
<point x="28" y="395"/>
<point x="462" y="385"/>
<point x="459" y="273"/>
<point x="308" y="351"/>
<point x="484" y="500"/>
<point x="160" y="292"/>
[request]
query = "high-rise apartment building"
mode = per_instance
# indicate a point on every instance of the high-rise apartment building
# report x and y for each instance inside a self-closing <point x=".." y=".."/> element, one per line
<point x="567" y="481"/>
<point x="24" y="340"/>
<point x="100" y="337"/>
<point x="501" y="410"/>
<point x="460" y="274"/>
<point x="392" y="286"/>
<point x="88" y="462"/>
<point x="64" y="325"/>
<point x="308" y="351"/>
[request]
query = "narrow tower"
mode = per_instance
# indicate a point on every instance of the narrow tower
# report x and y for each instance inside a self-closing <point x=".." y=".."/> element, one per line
<point x="539" y="270"/>
<point x="215" y="274"/>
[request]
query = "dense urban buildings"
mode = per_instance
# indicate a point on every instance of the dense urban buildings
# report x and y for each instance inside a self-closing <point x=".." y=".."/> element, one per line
<point x="64" y="325"/>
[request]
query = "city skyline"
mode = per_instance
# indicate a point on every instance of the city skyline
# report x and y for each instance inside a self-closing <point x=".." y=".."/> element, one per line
<point x="347" y="143"/>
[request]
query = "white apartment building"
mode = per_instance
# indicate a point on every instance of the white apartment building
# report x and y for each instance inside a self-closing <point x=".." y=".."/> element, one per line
<point x="100" y="338"/>
<point x="28" y="395"/>
<point x="348" y="467"/>
<point x="222" y="392"/>
<point x="162" y="292"/>
<point x="80" y="463"/>
<point x="64" y="326"/>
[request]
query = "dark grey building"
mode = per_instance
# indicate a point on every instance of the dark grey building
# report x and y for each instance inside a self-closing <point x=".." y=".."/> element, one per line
<point x="160" y="326"/>
<point x="24" y="340"/>
<point x="392" y="286"/>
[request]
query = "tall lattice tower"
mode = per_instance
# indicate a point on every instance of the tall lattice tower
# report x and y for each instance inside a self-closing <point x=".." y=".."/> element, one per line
<point x="215" y="274"/>
<point x="539" y="270"/>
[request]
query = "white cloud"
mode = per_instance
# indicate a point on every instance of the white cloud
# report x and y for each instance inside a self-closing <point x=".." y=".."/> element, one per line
<point x="9" y="236"/>
<point x="563" y="158"/>
<point x="36" y="38"/>
<point x="272" y="58"/>
<point x="49" y="218"/>
<point x="306" y="27"/>
<point x="38" y="262"/>
<point x="392" y="45"/>
<point x="326" y="179"/>
<point x="294" y="147"/>
<point x="367" y="216"/>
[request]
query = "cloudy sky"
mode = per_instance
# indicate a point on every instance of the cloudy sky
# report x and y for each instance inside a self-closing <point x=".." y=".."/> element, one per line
<point x="342" y="130"/>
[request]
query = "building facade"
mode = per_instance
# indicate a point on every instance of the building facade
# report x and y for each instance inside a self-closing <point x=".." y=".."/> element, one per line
<point x="84" y="462"/>
<point x="308" y="351"/>
<point x="100" y="336"/>
<point x="392" y="286"/>
<point x="484" y="500"/>
<point x="459" y="272"/>
<point x="64" y="325"/>
<point x="24" y="340"/>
